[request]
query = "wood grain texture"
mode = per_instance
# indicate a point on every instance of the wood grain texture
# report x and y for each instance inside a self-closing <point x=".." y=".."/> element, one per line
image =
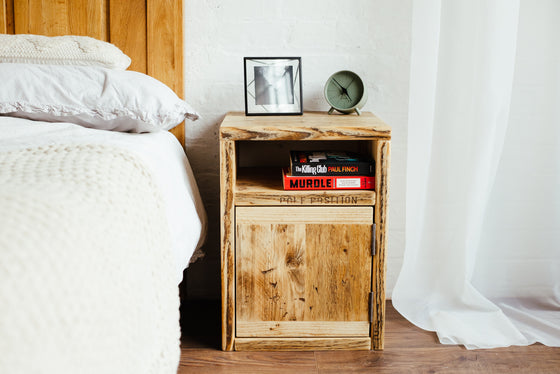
<point x="151" y="32"/>
<point x="441" y="359"/>
<point x="62" y="17"/>
<point x="304" y="215"/>
<point x="7" y="16"/>
<point x="382" y="157"/>
<point x="303" y="264"/>
<point x="227" y="182"/>
<point x="263" y="186"/>
<point x="309" y="126"/>
<point x="302" y="329"/>
<point x="128" y="31"/>
<point x="165" y="48"/>
<point x="4" y="17"/>
<point x="301" y="344"/>
<point x="165" y="42"/>
<point x="204" y="361"/>
<point x="89" y="17"/>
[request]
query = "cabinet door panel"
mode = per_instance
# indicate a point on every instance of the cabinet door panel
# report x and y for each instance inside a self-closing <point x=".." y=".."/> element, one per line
<point x="303" y="264"/>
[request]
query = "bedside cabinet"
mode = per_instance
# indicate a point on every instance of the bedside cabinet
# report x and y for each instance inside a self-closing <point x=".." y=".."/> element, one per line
<point x="301" y="270"/>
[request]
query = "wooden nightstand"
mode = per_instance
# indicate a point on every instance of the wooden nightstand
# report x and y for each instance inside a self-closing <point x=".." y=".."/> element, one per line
<point x="301" y="270"/>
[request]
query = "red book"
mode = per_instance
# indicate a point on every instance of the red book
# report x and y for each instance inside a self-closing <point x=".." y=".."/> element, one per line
<point x="327" y="182"/>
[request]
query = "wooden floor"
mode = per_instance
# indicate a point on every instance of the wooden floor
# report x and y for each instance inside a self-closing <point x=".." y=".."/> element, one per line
<point x="408" y="349"/>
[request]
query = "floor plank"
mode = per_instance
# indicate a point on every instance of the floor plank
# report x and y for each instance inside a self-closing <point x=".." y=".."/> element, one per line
<point x="443" y="359"/>
<point x="408" y="349"/>
<point x="211" y="361"/>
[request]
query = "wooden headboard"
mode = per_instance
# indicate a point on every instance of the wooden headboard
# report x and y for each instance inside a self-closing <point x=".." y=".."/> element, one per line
<point x="150" y="32"/>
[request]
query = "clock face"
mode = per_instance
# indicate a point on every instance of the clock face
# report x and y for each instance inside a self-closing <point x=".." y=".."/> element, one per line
<point x="344" y="90"/>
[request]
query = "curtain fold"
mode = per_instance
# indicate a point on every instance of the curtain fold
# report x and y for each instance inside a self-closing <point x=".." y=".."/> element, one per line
<point x="476" y="268"/>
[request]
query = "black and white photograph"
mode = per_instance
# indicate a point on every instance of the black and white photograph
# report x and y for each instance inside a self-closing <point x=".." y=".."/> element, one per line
<point x="273" y="86"/>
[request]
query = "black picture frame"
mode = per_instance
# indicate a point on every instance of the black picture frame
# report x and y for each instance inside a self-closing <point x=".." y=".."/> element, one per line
<point x="273" y="86"/>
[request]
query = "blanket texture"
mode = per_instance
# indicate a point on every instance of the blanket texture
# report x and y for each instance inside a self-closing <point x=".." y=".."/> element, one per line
<point x="87" y="281"/>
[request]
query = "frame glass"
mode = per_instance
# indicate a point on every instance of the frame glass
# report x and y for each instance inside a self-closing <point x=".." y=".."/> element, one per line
<point x="273" y="86"/>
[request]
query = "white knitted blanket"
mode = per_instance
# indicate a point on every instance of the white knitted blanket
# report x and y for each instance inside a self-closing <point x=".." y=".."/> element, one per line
<point x="87" y="281"/>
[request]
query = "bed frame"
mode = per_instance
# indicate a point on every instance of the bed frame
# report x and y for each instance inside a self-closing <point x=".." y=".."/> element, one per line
<point x="150" y="32"/>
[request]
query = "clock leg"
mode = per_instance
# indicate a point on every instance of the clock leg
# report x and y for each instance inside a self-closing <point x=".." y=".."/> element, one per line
<point x="331" y="110"/>
<point x="358" y="111"/>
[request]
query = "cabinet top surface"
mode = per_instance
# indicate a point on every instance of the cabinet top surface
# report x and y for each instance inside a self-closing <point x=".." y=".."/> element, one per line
<point x="309" y="126"/>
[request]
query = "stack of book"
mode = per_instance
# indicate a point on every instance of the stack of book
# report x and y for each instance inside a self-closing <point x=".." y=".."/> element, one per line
<point x="329" y="170"/>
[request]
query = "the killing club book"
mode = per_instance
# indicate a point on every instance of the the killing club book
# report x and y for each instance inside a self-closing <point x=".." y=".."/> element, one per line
<point x="330" y="163"/>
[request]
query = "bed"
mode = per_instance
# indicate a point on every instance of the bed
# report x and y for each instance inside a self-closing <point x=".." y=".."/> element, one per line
<point x="99" y="209"/>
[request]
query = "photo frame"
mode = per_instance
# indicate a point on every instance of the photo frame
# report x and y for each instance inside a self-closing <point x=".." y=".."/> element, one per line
<point x="273" y="86"/>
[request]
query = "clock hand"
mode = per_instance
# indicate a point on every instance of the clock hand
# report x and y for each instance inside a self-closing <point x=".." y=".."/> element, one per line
<point x="349" y="84"/>
<point x="339" y="85"/>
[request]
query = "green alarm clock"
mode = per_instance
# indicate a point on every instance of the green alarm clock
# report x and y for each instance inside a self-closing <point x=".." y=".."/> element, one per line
<point x="345" y="92"/>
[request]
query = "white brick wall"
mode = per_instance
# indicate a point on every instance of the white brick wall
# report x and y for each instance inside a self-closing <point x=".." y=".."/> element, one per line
<point x="369" y="37"/>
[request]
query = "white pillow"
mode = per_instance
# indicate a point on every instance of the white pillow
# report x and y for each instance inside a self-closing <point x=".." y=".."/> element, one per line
<point x="61" y="50"/>
<point x="90" y="96"/>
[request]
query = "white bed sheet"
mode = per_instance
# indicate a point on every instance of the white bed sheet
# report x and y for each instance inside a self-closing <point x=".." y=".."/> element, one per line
<point x="161" y="152"/>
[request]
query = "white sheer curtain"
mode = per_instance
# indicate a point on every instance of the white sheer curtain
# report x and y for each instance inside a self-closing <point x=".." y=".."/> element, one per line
<point x="482" y="259"/>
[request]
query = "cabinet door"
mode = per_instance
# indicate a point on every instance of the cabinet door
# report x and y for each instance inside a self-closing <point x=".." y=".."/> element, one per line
<point x="303" y="271"/>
